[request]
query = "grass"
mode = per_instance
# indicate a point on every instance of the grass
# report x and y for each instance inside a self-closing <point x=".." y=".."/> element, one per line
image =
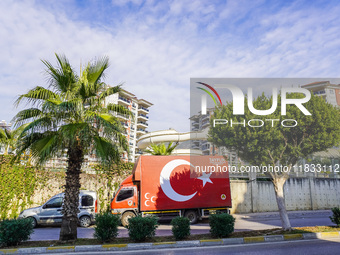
<point x="123" y="240"/>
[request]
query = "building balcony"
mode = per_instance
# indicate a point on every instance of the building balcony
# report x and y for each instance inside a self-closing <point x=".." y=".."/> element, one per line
<point x="139" y="152"/>
<point x="195" y="147"/>
<point x="320" y="92"/>
<point x="143" y="109"/>
<point x="205" y="124"/>
<point x="142" y="124"/>
<point x="124" y="100"/>
<point x="124" y="124"/>
<point x="205" y="117"/>
<point x="142" y="116"/>
<point x="206" y="147"/>
<point x="122" y="117"/>
<point x="195" y="123"/>
<point x="195" y="143"/>
<point x="140" y="131"/>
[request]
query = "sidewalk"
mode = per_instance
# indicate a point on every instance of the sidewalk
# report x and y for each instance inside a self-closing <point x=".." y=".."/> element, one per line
<point x="276" y="215"/>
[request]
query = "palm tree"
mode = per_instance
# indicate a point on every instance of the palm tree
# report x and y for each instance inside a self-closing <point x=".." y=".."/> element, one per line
<point x="72" y="116"/>
<point x="8" y="139"/>
<point x="161" y="149"/>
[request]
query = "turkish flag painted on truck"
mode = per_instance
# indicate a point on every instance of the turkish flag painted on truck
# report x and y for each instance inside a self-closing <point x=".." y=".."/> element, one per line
<point x="180" y="182"/>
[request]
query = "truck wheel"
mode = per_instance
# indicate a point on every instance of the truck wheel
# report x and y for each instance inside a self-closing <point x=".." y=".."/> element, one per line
<point x="192" y="216"/>
<point x="125" y="218"/>
<point x="85" y="221"/>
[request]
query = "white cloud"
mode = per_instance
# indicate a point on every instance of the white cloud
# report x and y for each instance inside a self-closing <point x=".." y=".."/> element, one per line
<point x="156" y="49"/>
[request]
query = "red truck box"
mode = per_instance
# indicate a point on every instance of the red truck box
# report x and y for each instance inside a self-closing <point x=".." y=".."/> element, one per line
<point x="180" y="182"/>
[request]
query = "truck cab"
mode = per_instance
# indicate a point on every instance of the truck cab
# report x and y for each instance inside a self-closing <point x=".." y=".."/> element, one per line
<point x="125" y="200"/>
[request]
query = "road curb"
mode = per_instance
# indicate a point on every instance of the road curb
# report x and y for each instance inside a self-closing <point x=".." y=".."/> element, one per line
<point x="178" y="244"/>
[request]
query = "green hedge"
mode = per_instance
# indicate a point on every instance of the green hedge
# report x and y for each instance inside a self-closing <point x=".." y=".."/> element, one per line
<point x="180" y="227"/>
<point x="13" y="232"/>
<point x="221" y="225"/>
<point x="106" y="227"/>
<point x="336" y="216"/>
<point x="140" y="228"/>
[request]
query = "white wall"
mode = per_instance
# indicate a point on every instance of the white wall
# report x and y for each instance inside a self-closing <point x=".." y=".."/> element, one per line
<point x="300" y="194"/>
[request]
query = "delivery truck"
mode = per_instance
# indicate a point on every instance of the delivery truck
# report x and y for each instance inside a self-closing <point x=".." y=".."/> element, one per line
<point x="189" y="186"/>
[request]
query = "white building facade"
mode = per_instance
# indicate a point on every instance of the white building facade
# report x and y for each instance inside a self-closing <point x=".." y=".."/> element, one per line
<point x="326" y="90"/>
<point x="135" y="126"/>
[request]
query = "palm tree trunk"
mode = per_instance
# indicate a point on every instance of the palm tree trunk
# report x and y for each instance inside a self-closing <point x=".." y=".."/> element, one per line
<point x="68" y="231"/>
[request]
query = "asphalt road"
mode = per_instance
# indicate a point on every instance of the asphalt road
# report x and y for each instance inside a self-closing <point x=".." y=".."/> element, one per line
<point x="301" y="247"/>
<point x="243" y="223"/>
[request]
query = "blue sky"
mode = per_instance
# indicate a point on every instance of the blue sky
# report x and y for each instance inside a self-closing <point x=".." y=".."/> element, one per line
<point x="155" y="47"/>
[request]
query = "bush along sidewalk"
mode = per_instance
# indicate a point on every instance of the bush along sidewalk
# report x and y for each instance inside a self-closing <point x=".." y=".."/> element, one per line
<point x="221" y="225"/>
<point x="336" y="216"/>
<point x="140" y="228"/>
<point x="180" y="227"/>
<point x="15" y="231"/>
<point x="106" y="228"/>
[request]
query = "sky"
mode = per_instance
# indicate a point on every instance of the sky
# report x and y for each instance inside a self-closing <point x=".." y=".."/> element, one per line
<point x="155" y="47"/>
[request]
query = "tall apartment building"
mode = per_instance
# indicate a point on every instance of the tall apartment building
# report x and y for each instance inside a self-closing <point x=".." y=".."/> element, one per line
<point x="136" y="126"/>
<point x="330" y="92"/>
<point x="200" y="122"/>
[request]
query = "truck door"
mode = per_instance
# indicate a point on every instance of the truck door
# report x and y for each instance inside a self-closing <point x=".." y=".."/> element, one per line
<point x="126" y="199"/>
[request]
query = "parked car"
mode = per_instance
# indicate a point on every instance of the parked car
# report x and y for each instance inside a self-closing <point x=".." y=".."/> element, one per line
<point x="50" y="212"/>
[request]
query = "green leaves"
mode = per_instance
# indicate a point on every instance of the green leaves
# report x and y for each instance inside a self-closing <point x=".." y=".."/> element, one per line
<point x="71" y="113"/>
<point x="273" y="142"/>
<point x="36" y="96"/>
<point x="161" y="149"/>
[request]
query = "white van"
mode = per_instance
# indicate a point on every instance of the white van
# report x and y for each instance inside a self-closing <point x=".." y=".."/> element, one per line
<point x="50" y="212"/>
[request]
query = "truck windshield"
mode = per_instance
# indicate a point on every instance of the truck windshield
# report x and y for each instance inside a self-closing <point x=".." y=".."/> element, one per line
<point x="124" y="194"/>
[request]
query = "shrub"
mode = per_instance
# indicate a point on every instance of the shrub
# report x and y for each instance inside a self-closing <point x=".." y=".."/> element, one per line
<point x="180" y="227"/>
<point x="13" y="232"/>
<point x="221" y="225"/>
<point x="336" y="216"/>
<point x="106" y="226"/>
<point x="141" y="228"/>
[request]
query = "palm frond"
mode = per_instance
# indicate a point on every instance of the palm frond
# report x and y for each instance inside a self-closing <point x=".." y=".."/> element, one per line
<point x="106" y="150"/>
<point x="26" y="115"/>
<point x="36" y="96"/>
<point x="62" y="78"/>
<point x="40" y="125"/>
<point x="45" y="148"/>
<point x="74" y="105"/>
<point x="109" y="125"/>
<point x="96" y="70"/>
<point x="3" y="135"/>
